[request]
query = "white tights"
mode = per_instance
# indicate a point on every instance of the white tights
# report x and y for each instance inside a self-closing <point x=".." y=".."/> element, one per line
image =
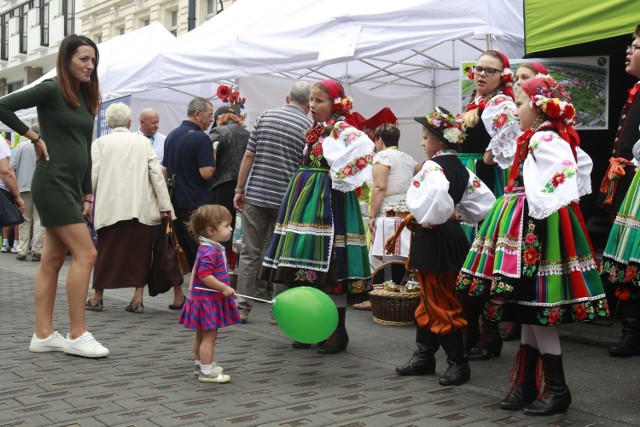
<point x="544" y="338"/>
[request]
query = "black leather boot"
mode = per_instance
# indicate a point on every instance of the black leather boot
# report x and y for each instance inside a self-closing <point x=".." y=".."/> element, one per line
<point x="422" y="362"/>
<point x="490" y="343"/>
<point x="458" y="371"/>
<point x="629" y="344"/>
<point x="338" y="341"/>
<point x="471" y="312"/>
<point x="523" y="379"/>
<point x="512" y="332"/>
<point x="556" y="397"/>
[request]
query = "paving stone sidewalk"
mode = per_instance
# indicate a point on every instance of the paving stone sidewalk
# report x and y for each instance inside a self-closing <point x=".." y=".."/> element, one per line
<point x="148" y="378"/>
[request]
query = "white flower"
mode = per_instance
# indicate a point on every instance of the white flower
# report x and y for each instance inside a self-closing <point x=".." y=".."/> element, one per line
<point x="506" y="72"/>
<point x="452" y="135"/>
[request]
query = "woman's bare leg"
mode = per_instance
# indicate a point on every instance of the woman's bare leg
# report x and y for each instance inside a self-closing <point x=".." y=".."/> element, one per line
<point x="53" y="255"/>
<point x="83" y="256"/>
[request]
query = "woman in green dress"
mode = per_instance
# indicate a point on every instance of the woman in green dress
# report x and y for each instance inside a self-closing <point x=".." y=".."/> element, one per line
<point x="61" y="188"/>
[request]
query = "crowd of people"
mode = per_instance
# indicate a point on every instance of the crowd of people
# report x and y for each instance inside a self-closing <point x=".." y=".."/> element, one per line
<point x="489" y="221"/>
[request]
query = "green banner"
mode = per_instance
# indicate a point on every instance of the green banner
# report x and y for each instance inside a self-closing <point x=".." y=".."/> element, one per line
<point x="550" y="24"/>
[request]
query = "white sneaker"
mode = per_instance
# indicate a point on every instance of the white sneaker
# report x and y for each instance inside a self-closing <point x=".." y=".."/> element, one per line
<point x="4" y="250"/>
<point x="55" y="342"/>
<point x="215" y="376"/>
<point x="14" y="250"/>
<point x="86" y="346"/>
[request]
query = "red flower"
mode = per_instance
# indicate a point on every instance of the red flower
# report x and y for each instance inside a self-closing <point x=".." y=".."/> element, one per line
<point x="474" y="286"/>
<point x="347" y="170"/>
<point x="416" y="184"/>
<point x="223" y="92"/>
<point x="581" y="312"/>
<point x="554" y="316"/>
<point x="476" y="183"/>
<point x="491" y="311"/>
<point x="530" y="238"/>
<point x="553" y="110"/>
<point x="630" y="273"/>
<point x="233" y="97"/>
<point x="501" y="120"/>
<point x="558" y="179"/>
<point x="530" y="256"/>
<point x="361" y="163"/>
<point x="317" y="150"/>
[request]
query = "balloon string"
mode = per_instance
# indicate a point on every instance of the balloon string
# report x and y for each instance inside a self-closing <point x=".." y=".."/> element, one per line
<point x="240" y="295"/>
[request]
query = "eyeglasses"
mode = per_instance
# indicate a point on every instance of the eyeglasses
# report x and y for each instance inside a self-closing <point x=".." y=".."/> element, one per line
<point x="487" y="70"/>
<point x="632" y="48"/>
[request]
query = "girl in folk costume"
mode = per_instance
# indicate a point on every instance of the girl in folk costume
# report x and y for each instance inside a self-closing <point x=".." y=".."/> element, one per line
<point x="533" y="251"/>
<point x="319" y="239"/>
<point x="492" y="130"/>
<point x="441" y="195"/>
<point x="526" y="71"/>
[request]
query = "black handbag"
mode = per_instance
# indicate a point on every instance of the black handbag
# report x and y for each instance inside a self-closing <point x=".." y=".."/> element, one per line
<point x="165" y="270"/>
<point x="9" y="213"/>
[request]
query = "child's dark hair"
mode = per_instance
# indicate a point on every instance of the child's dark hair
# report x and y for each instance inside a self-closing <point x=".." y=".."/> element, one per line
<point x="389" y="133"/>
<point x="207" y="216"/>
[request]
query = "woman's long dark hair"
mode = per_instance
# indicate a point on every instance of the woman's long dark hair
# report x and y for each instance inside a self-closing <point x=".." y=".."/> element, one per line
<point x="68" y="86"/>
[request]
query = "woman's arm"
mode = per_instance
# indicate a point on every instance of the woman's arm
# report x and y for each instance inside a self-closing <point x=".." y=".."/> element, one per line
<point x="380" y="178"/>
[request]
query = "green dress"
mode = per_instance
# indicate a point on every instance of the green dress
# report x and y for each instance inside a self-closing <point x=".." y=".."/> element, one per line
<point x="58" y="184"/>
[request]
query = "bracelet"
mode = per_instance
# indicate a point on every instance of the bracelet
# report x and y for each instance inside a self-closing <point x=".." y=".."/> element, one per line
<point x="239" y="191"/>
<point x="39" y="138"/>
<point x="87" y="201"/>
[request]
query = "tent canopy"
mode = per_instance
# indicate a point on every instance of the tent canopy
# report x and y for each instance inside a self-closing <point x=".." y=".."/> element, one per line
<point x="551" y="24"/>
<point x="402" y="46"/>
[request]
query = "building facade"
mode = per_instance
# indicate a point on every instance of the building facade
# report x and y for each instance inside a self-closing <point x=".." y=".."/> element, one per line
<point x="31" y="31"/>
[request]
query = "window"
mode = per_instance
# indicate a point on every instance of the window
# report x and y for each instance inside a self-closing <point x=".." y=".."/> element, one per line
<point x="146" y="22"/>
<point x="12" y="87"/>
<point x="68" y="8"/>
<point x="212" y="9"/>
<point x="97" y="38"/>
<point x="121" y="30"/>
<point x="4" y="36"/>
<point x="44" y="20"/>
<point x="172" y="19"/>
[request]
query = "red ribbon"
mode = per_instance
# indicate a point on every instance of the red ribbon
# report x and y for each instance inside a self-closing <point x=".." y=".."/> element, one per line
<point x="632" y="93"/>
<point x="521" y="154"/>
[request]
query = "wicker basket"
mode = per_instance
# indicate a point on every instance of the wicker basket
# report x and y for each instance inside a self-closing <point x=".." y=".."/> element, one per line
<point x="393" y="308"/>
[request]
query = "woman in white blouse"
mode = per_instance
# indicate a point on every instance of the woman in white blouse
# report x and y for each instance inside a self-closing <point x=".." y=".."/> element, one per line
<point x="392" y="173"/>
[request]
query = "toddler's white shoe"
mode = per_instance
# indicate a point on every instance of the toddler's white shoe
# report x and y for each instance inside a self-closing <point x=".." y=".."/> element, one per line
<point x="54" y="342"/>
<point x="215" y="376"/>
<point x="86" y="346"/>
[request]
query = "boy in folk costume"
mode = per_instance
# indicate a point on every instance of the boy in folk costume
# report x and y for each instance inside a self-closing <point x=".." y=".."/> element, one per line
<point x="617" y="183"/>
<point x="441" y="195"/>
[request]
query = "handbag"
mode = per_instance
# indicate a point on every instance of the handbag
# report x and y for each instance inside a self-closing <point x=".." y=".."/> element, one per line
<point x="166" y="271"/>
<point x="9" y="213"/>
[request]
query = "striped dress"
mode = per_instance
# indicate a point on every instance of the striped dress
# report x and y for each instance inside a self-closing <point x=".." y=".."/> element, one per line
<point x="206" y="310"/>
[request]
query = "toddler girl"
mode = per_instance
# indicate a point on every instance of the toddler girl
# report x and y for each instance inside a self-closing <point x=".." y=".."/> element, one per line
<point x="206" y="311"/>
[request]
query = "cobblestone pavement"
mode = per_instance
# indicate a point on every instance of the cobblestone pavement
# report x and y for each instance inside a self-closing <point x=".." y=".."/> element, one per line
<point x="148" y="381"/>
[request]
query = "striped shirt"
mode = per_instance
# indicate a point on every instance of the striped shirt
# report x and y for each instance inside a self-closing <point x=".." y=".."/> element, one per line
<point x="277" y="140"/>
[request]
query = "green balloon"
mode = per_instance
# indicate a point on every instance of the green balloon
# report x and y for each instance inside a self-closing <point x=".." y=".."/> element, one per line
<point x="305" y="314"/>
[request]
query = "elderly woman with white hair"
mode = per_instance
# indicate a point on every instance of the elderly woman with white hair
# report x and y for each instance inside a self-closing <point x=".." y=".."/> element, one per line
<point x="130" y="197"/>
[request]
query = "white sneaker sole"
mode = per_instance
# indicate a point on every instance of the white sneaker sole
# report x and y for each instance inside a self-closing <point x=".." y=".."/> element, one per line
<point x="45" y="349"/>
<point x="76" y="352"/>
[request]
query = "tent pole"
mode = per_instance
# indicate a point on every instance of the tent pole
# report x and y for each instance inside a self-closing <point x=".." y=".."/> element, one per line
<point x="488" y="38"/>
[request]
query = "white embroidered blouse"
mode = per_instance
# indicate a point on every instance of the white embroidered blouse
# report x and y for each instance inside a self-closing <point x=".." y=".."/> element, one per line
<point x="501" y="123"/>
<point x="552" y="178"/>
<point x="429" y="201"/>
<point x="349" y="153"/>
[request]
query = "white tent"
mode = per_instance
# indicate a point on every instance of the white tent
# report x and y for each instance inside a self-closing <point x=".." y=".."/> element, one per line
<point x="405" y="54"/>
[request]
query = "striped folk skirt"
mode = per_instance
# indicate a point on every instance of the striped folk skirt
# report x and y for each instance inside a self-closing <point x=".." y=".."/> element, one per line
<point x="319" y="239"/>
<point x="621" y="257"/>
<point x="540" y="272"/>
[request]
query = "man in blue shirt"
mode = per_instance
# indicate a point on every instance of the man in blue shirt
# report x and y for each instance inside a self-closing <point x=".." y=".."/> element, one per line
<point x="188" y="157"/>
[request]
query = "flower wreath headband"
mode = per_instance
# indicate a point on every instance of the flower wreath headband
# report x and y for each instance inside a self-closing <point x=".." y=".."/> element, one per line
<point x="548" y="96"/>
<point x="447" y="126"/>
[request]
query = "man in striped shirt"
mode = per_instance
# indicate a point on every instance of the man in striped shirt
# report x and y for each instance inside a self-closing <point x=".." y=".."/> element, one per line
<point x="273" y="153"/>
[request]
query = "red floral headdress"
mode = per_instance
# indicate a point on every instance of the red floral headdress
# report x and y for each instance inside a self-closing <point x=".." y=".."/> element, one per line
<point x="232" y="98"/>
<point x="506" y="75"/>
<point x="548" y="96"/>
